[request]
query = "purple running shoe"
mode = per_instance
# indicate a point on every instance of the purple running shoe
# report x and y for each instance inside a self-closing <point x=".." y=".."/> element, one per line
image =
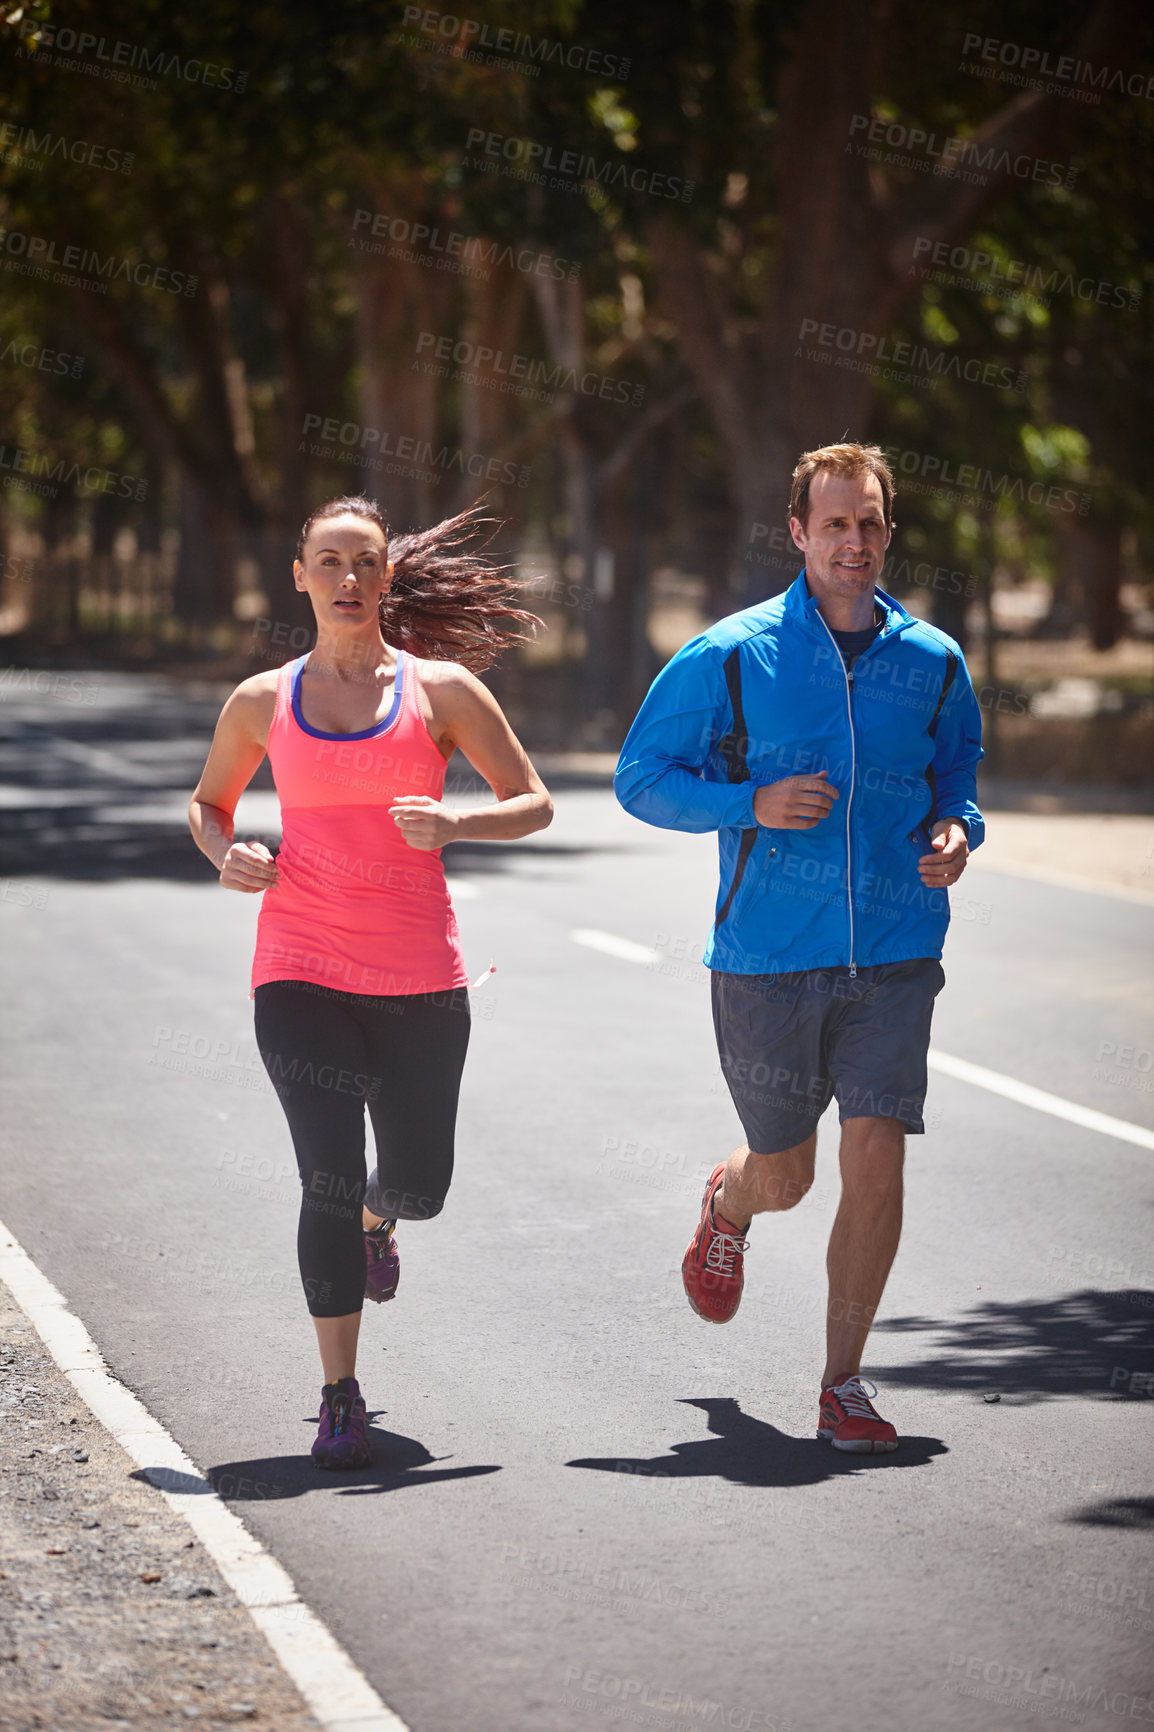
<point x="382" y="1263"/>
<point x="342" y="1440"/>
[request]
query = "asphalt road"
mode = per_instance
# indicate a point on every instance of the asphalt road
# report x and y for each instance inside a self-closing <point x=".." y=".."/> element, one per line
<point x="589" y="1504"/>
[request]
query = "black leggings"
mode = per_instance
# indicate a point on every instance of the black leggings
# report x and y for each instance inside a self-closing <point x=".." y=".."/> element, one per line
<point x="332" y="1054"/>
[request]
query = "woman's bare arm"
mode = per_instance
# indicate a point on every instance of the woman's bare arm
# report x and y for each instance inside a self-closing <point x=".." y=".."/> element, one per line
<point x="467" y="716"/>
<point x="238" y="747"/>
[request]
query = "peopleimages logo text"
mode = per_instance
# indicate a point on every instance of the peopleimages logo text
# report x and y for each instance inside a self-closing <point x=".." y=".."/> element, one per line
<point x="41" y="359"/>
<point x="481" y="364"/>
<point x="424" y="240"/>
<point x="1040" y="63"/>
<point x="940" y="478"/>
<point x="40" y="38"/>
<point x="90" y="478"/>
<point x="542" y="165"/>
<point x="1035" y="1689"/>
<point x="954" y="157"/>
<point x="87" y="267"/>
<point x="349" y="441"/>
<point x="1037" y="281"/>
<point x="863" y="351"/>
<point x="470" y="39"/>
<point x="20" y="143"/>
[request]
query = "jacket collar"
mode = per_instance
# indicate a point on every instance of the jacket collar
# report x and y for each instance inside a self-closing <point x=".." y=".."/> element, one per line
<point x="801" y="607"/>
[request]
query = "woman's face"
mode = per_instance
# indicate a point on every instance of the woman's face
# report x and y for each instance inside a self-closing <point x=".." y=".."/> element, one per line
<point x="345" y="571"/>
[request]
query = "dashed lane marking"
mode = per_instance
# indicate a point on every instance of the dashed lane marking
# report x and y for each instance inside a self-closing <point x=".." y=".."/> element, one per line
<point x="611" y="945"/>
<point x="959" y="1068"/>
<point x="1040" y="1099"/>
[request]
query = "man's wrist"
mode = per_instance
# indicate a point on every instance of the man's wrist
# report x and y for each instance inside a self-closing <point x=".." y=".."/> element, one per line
<point x="949" y="818"/>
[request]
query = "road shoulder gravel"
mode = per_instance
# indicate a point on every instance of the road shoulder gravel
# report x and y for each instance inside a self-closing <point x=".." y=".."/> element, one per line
<point x="111" y="1614"/>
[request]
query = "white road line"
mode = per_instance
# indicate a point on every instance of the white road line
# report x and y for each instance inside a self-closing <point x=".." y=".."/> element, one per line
<point x="613" y="946"/>
<point x="336" y="1691"/>
<point x="1040" y="1099"/>
<point x="959" y="1068"/>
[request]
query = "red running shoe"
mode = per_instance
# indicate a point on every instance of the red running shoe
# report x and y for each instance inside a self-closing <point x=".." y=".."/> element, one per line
<point x="848" y="1420"/>
<point x="712" y="1267"/>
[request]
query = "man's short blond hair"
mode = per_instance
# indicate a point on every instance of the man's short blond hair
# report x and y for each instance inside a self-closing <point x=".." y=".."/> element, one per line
<point x="848" y="460"/>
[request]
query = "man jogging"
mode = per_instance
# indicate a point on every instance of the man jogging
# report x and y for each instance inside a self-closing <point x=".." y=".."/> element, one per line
<point x="831" y="739"/>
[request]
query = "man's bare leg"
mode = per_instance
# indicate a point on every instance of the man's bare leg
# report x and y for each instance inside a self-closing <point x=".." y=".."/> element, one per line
<point x="755" y="1184"/>
<point x="864" y="1240"/>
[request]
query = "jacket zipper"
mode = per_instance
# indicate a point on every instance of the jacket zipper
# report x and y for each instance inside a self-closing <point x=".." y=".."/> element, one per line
<point x="848" y="672"/>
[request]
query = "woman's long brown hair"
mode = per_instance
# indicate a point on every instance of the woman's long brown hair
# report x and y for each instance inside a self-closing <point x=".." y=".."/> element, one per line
<point x="448" y="601"/>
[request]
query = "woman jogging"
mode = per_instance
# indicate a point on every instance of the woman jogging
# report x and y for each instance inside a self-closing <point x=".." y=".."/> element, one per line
<point x="358" y="977"/>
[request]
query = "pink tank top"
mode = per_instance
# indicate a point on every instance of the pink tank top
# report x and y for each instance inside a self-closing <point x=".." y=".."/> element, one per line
<point x="355" y="908"/>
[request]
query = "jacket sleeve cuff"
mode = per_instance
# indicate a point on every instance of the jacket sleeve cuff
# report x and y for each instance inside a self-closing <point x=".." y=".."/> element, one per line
<point x="965" y="813"/>
<point x="745" y="816"/>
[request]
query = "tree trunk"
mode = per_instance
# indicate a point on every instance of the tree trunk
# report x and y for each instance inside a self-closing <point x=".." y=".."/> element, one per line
<point x="206" y="569"/>
<point x="562" y="308"/>
<point x="494" y="318"/>
<point x="289" y="294"/>
<point x="273" y="545"/>
<point x="397" y="302"/>
<point x="843" y="246"/>
<point x="1089" y="582"/>
<point x="209" y="446"/>
<point x="589" y="472"/>
<point x="634" y="661"/>
<point x="1104" y="612"/>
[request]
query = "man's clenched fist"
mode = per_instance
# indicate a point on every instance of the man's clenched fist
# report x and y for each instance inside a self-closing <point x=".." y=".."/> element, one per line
<point x="797" y="803"/>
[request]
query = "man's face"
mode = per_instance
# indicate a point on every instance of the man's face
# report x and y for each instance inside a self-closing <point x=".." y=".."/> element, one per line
<point x="846" y="537"/>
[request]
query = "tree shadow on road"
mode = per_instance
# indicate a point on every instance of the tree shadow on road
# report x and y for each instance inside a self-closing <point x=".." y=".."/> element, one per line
<point x="398" y="1462"/>
<point x="497" y="857"/>
<point x="750" y="1452"/>
<point x="96" y="797"/>
<point x="1116" y="1512"/>
<point x="1092" y="1343"/>
<point x="79" y="843"/>
<point x="102" y="841"/>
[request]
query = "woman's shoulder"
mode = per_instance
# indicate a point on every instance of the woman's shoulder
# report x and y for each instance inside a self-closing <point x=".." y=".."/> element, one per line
<point x="445" y="674"/>
<point x="450" y="688"/>
<point x="253" y="702"/>
<point x="259" y="688"/>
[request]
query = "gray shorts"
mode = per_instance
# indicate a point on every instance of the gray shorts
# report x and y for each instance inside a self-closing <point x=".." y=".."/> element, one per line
<point x="789" y="1043"/>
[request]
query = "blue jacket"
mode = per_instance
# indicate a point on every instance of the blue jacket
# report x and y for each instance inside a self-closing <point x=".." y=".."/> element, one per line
<point x="764" y="694"/>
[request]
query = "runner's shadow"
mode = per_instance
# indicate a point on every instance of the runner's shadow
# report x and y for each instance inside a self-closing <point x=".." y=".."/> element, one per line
<point x="398" y="1462"/>
<point x="748" y="1451"/>
<point x="1117" y="1512"/>
<point x="1092" y="1343"/>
